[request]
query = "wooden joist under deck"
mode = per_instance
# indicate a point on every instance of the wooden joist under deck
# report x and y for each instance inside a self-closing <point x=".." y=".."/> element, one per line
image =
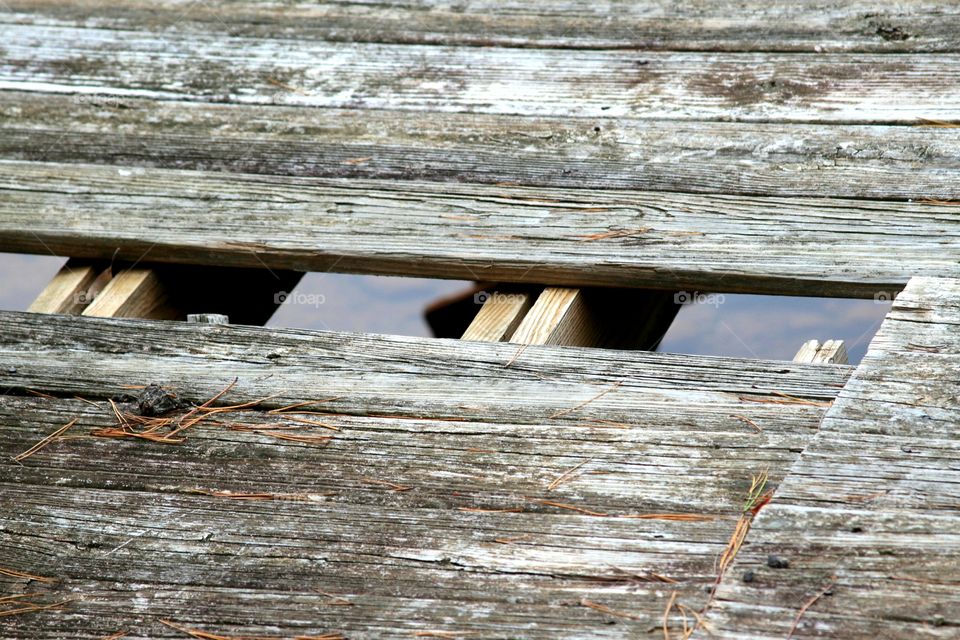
<point x="868" y="517"/>
<point x="557" y="236"/>
<point x="447" y="500"/>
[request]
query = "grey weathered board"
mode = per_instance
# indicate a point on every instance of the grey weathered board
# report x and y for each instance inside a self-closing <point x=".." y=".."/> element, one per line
<point x="756" y="25"/>
<point x="120" y="526"/>
<point x="784" y="159"/>
<point x="564" y="236"/>
<point x="873" y="503"/>
<point x="219" y="67"/>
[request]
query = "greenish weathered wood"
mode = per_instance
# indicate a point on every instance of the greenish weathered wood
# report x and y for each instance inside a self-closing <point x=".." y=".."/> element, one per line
<point x="217" y="67"/>
<point x="558" y="236"/>
<point x="802" y="25"/>
<point x="138" y="531"/>
<point x="871" y="505"/>
<point x="739" y="158"/>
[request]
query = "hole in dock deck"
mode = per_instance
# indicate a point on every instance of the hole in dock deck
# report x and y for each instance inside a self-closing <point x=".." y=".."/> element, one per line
<point x="774" y="327"/>
<point x="371" y="304"/>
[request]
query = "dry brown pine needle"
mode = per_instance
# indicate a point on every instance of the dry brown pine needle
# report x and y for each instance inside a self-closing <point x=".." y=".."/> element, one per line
<point x="29" y="576"/>
<point x="44" y="442"/>
<point x="203" y="635"/>
<point x="605" y="609"/>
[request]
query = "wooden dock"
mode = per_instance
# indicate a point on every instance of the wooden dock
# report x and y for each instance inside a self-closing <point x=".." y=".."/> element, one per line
<point x="595" y="163"/>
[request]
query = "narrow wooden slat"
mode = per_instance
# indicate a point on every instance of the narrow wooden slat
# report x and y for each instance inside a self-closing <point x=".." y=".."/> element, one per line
<point x="802" y="25"/>
<point x="814" y="160"/>
<point x="868" y="513"/>
<point x="211" y="66"/>
<point x="73" y="287"/>
<point x="830" y="352"/>
<point x="806" y="246"/>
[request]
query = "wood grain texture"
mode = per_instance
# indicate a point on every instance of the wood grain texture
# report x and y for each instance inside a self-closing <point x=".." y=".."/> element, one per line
<point x="139" y="531"/>
<point x="871" y="505"/>
<point x="802" y="25"/>
<point x="556" y="236"/>
<point x="133" y="293"/>
<point x="829" y="352"/>
<point x="72" y="288"/>
<point x="740" y="158"/>
<point x="217" y="67"/>
<point x="502" y="312"/>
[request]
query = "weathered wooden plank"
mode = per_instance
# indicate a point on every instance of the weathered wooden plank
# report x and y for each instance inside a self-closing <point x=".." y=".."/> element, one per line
<point x="565" y="237"/>
<point x="871" y="505"/>
<point x="217" y="67"/>
<point x="830" y="352"/>
<point x="140" y="531"/>
<point x="745" y="158"/>
<point x="802" y="25"/>
<point x="72" y="288"/>
<point x="397" y="375"/>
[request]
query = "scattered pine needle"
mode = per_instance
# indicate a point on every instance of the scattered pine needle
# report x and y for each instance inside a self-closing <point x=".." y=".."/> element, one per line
<point x="6" y="599"/>
<point x="482" y="510"/>
<point x="939" y="202"/>
<point x="586" y="402"/>
<point x="596" y="606"/>
<point x="619" y="233"/>
<point x="263" y="495"/>
<point x="358" y="160"/>
<point x="40" y="445"/>
<point x="809" y="603"/>
<point x="676" y="517"/>
<point x="443" y="634"/>
<point x="940" y="124"/>
<point x="393" y="485"/>
<point x="30" y="607"/>
<point x="520" y="351"/>
<point x="203" y="635"/>
<point x="40" y="394"/>
<point x="785" y="399"/>
<point x="288" y="87"/>
<point x="29" y="576"/>
<point x="513" y="540"/>
<point x="335" y="600"/>
<point x="115" y="636"/>
<point x="570" y="507"/>
<point x="666" y="616"/>
<point x="748" y="421"/>
<point x="565" y="476"/>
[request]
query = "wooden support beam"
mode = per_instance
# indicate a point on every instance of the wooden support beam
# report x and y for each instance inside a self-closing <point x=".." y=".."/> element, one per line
<point x="502" y="312"/>
<point x="830" y="352"/>
<point x="133" y="293"/>
<point x="166" y="292"/>
<point x="73" y="288"/>
<point x="613" y="318"/>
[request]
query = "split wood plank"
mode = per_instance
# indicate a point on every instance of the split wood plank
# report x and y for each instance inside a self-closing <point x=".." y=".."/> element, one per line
<point x="809" y="246"/>
<point x="871" y="506"/>
<point x="221" y="67"/>
<point x="802" y="25"/>
<point x="830" y="352"/>
<point x="816" y="160"/>
<point x="429" y="510"/>
<point x="72" y="288"/>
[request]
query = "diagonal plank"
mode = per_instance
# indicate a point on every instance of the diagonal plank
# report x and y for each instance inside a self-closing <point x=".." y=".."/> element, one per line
<point x="140" y="531"/>
<point x="801" y="25"/>
<point x="817" y="160"/>
<point x="629" y="239"/>
<point x="219" y="67"/>
<point x="871" y="505"/>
